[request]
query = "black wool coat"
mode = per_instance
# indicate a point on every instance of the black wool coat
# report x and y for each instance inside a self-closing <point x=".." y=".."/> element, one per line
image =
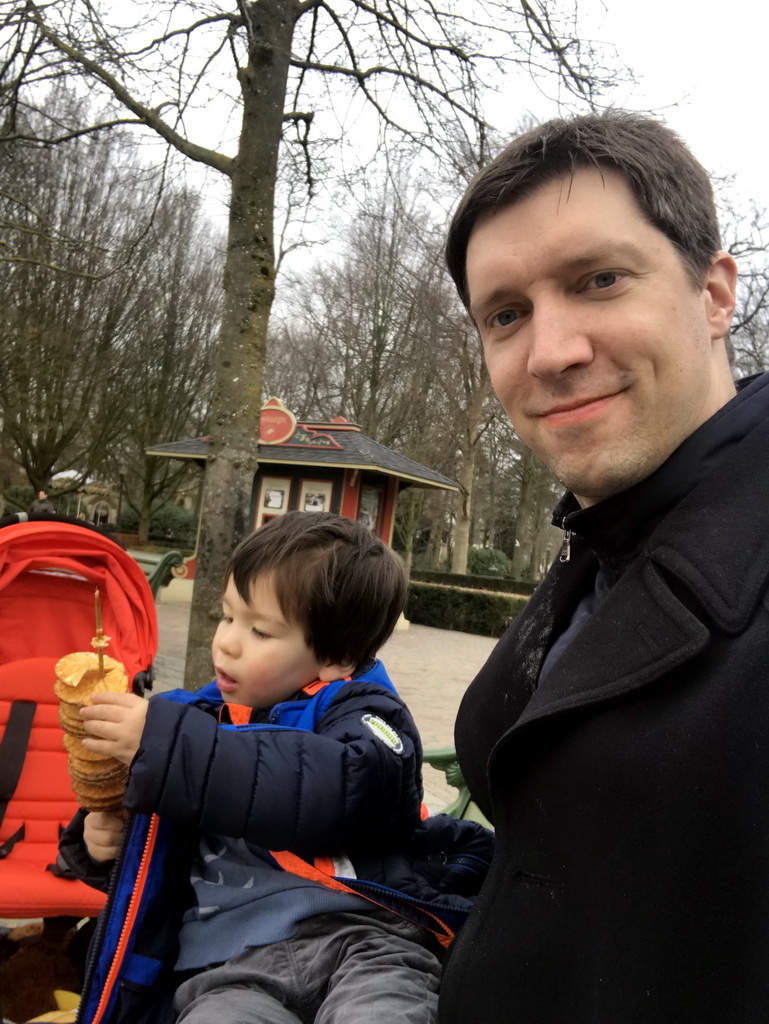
<point x="630" y="791"/>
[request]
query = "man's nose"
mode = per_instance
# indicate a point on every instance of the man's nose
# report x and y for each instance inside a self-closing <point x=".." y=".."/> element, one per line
<point x="558" y="341"/>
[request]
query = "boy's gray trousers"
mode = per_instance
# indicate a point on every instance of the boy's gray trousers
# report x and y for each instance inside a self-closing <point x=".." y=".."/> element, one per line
<point x="337" y="969"/>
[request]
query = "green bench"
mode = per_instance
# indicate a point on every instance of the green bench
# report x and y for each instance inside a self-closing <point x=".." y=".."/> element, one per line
<point x="445" y="760"/>
<point x="157" y="566"/>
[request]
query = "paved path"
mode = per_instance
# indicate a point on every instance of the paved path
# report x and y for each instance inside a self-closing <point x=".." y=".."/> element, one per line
<point x="431" y="669"/>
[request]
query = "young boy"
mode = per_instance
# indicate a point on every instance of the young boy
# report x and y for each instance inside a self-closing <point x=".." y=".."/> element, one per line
<point x="298" y="766"/>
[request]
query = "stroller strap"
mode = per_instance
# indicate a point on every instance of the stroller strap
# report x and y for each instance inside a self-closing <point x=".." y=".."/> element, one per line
<point x="11" y="841"/>
<point x="13" y="749"/>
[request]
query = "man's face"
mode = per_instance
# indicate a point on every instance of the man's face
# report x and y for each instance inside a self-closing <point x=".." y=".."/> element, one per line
<point x="602" y="353"/>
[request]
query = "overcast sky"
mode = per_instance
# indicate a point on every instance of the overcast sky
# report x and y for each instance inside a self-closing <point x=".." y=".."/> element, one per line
<point x="703" y="68"/>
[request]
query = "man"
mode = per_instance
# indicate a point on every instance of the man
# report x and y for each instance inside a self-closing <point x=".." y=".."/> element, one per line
<point x="618" y="736"/>
<point x="40" y="504"/>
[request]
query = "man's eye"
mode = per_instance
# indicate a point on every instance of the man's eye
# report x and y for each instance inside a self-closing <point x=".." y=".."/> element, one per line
<point x="505" y="318"/>
<point x="605" y="279"/>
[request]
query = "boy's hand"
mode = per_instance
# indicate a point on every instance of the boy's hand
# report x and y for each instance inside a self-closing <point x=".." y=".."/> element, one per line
<point x="114" y="724"/>
<point x="102" y="833"/>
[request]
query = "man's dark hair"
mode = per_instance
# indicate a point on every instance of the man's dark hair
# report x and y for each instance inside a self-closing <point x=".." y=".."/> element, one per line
<point x="672" y="189"/>
<point x="332" y="576"/>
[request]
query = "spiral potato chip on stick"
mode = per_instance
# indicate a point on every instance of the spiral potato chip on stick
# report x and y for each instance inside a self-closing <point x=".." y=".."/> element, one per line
<point x="98" y="781"/>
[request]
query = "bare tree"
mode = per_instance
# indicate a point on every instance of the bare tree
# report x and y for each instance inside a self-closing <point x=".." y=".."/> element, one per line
<point x="110" y="307"/>
<point x="361" y="334"/>
<point x="61" y="305"/>
<point x="747" y="241"/>
<point x="538" y="492"/>
<point x="167" y="349"/>
<point x="418" y="68"/>
<point x="380" y="337"/>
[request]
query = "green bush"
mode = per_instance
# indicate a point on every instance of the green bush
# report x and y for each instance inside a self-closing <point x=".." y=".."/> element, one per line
<point x="488" y="561"/>
<point x="173" y="524"/>
<point x="468" y="611"/>
<point x="129" y="520"/>
<point x="18" y="498"/>
<point x="502" y="584"/>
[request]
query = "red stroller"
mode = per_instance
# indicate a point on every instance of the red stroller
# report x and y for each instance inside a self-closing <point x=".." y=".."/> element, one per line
<point x="49" y="569"/>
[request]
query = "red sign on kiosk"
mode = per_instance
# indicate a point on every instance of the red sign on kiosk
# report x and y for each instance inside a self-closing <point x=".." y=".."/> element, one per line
<point x="276" y="423"/>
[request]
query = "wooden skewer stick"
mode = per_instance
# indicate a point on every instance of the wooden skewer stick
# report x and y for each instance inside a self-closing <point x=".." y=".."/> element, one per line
<point x="100" y="641"/>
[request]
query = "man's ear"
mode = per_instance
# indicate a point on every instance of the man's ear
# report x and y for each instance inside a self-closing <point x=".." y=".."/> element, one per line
<point x="329" y="673"/>
<point x="720" y="287"/>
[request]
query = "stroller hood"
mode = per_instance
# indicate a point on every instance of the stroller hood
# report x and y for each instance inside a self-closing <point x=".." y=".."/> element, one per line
<point x="48" y="573"/>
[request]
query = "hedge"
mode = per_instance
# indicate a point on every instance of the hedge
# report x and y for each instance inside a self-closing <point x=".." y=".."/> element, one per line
<point x="170" y="525"/>
<point x="488" y="562"/>
<point x="502" y="584"/>
<point x="466" y="610"/>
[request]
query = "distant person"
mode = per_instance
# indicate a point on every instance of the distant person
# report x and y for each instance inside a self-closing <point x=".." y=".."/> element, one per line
<point x="298" y="766"/>
<point x="618" y="736"/>
<point x="40" y="504"/>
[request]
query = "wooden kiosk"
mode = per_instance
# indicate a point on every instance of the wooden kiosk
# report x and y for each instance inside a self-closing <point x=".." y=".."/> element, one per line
<point x="323" y="467"/>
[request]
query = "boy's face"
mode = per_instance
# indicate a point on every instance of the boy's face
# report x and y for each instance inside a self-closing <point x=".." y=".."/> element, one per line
<point x="261" y="659"/>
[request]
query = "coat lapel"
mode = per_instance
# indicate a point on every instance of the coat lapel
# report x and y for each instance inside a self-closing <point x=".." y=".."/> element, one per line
<point x="714" y="549"/>
<point x="640" y="632"/>
<point x="716" y="542"/>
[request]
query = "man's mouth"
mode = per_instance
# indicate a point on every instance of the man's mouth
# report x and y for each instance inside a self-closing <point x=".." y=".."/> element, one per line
<point x="567" y="413"/>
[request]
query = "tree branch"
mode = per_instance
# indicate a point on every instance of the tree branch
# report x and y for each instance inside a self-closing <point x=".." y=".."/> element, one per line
<point x="402" y="30"/>
<point x="361" y="77"/>
<point x="146" y="115"/>
<point x="93" y="129"/>
<point x="188" y="31"/>
<point x="543" y="35"/>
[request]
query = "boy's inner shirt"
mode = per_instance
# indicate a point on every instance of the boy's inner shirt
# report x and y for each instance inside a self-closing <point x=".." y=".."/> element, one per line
<point x="242" y="714"/>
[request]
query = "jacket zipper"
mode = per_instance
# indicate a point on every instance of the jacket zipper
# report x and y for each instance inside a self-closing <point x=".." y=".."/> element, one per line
<point x="440" y="930"/>
<point x="565" y="554"/>
<point x="296" y="865"/>
<point x="93" y="954"/>
<point x="128" y="923"/>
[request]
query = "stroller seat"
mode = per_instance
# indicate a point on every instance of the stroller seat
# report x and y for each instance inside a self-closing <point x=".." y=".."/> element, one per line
<point x="49" y="570"/>
<point x="41" y="805"/>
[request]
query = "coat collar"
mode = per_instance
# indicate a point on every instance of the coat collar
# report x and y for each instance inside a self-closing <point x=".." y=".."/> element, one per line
<point x="617" y="529"/>
<point x="704" y="567"/>
<point x="716" y="542"/>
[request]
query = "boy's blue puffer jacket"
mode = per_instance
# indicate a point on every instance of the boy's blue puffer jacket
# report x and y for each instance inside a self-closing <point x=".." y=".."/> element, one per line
<point x="355" y="790"/>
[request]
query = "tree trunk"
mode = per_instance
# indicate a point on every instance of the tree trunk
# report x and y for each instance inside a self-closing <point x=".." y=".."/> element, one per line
<point x="475" y="396"/>
<point x="546" y="544"/>
<point x="408" y="556"/>
<point x="533" y="533"/>
<point x="249" y="290"/>
<point x="143" y="527"/>
<point x="435" y="544"/>
<point x="410" y="505"/>
<point x="464" y="505"/>
<point x="526" y="514"/>
<point x="490" y="538"/>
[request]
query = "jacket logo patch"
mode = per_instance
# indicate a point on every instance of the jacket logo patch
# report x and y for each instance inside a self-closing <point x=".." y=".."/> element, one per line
<point x="384" y="732"/>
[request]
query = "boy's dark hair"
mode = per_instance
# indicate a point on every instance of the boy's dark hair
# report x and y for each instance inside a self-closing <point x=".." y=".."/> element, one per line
<point x="672" y="189"/>
<point x="332" y="576"/>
